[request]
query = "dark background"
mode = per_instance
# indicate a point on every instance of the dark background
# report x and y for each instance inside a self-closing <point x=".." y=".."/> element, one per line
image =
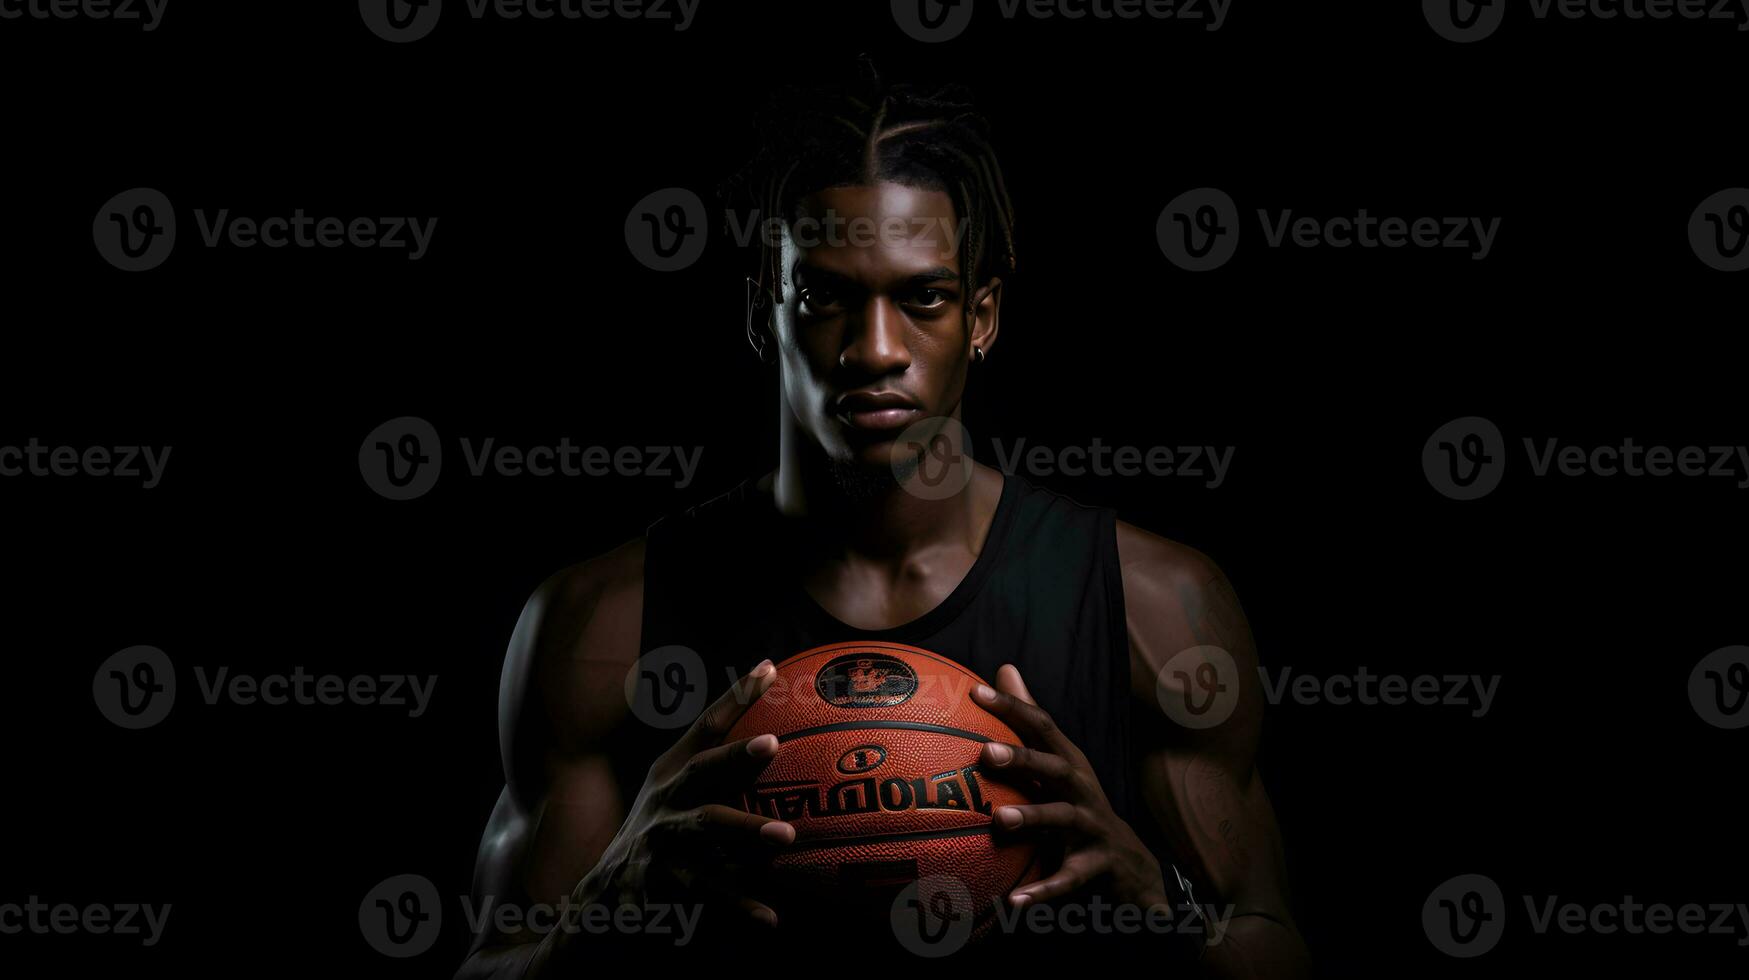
<point x="1591" y="779"/>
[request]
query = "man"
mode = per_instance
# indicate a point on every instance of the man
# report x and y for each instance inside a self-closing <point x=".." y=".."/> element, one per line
<point x="861" y="533"/>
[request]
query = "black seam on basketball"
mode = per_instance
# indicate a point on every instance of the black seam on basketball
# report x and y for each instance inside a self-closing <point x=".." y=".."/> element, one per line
<point x="821" y="843"/>
<point x="915" y="726"/>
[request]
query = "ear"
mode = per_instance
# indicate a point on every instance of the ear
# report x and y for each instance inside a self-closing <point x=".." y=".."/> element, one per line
<point x="759" y="322"/>
<point x="986" y="317"/>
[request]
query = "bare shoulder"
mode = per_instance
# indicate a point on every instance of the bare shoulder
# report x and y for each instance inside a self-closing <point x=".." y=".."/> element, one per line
<point x="561" y="692"/>
<point x="1175" y="598"/>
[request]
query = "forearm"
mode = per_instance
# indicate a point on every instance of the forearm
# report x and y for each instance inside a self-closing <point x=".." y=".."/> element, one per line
<point x="1254" y="947"/>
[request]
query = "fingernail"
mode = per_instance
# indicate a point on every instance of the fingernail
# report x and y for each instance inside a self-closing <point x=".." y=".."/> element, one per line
<point x="766" y="916"/>
<point x="1009" y="816"/>
<point x="763" y="668"/>
<point x="999" y="754"/>
<point x="778" y="832"/>
<point x="983" y="693"/>
<point x="763" y="745"/>
<point x="1019" y="900"/>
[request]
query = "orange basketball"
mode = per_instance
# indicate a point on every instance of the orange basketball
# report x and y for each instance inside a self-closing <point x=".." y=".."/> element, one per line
<point x="877" y="767"/>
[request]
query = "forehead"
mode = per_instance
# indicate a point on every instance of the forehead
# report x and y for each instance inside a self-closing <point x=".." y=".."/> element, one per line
<point x="873" y="233"/>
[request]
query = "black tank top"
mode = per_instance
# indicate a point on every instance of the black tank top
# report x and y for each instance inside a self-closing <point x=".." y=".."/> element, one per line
<point x="1044" y="594"/>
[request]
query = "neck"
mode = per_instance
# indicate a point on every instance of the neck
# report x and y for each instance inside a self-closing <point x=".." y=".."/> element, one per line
<point x="882" y="519"/>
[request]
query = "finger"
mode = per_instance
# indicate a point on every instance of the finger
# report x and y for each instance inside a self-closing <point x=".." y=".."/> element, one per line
<point x="1030" y="721"/>
<point x="1071" y="876"/>
<point x="1060" y="815"/>
<point x="715" y="827"/>
<point x="1012" y="762"/>
<point x="714" y="722"/>
<point x="1008" y="680"/>
<point x="720" y="770"/>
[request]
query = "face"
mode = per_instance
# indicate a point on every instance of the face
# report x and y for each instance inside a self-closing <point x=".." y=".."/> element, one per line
<point x="873" y="335"/>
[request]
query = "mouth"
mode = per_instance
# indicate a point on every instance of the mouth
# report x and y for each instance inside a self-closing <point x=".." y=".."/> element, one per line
<point x="882" y="411"/>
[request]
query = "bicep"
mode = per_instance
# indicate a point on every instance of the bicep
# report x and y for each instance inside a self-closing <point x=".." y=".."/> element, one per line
<point x="560" y="703"/>
<point x="1200" y="711"/>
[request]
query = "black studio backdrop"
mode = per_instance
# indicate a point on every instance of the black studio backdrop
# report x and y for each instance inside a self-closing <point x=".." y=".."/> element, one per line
<point x="1592" y="777"/>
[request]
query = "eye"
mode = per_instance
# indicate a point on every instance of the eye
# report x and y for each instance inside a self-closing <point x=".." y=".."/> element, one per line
<point x="928" y="298"/>
<point x="818" y="301"/>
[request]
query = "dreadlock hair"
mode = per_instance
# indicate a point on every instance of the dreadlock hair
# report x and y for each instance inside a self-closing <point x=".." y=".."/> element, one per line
<point x="864" y="132"/>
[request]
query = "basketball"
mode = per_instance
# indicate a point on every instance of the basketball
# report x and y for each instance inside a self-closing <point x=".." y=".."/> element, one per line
<point x="877" y="768"/>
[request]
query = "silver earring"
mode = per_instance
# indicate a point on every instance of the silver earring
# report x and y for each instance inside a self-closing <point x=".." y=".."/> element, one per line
<point x="977" y="354"/>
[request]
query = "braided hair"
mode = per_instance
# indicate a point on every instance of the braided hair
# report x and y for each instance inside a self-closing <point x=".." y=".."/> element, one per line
<point x="865" y="132"/>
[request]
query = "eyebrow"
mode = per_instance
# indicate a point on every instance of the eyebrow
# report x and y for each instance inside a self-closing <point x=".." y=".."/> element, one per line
<point x="938" y="274"/>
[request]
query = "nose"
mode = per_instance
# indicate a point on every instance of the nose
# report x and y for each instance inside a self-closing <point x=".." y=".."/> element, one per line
<point x="874" y="344"/>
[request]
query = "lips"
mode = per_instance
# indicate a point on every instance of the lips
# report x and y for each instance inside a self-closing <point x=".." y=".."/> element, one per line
<point x="878" y="411"/>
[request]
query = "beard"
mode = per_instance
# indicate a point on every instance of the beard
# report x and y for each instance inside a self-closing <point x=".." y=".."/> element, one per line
<point x="860" y="482"/>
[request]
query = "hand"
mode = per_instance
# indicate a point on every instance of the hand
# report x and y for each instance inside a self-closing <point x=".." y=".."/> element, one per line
<point x="1098" y="843"/>
<point x="676" y="840"/>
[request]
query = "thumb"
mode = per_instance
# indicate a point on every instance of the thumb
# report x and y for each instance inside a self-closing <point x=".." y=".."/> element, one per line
<point x="1008" y="682"/>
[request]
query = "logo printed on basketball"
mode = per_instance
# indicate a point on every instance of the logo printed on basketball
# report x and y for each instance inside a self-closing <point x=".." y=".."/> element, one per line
<point x="955" y="790"/>
<point x="863" y="680"/>
<point x="878" y="769"/>
<point x="862" y="759"/>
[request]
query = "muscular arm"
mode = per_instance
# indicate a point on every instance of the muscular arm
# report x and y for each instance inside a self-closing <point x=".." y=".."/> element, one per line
<point x="1201" y="786"/>
<point x="559" y="703"/>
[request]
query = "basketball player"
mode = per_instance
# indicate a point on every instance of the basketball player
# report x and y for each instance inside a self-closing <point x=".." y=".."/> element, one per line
<point x="1071" y="612"/>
